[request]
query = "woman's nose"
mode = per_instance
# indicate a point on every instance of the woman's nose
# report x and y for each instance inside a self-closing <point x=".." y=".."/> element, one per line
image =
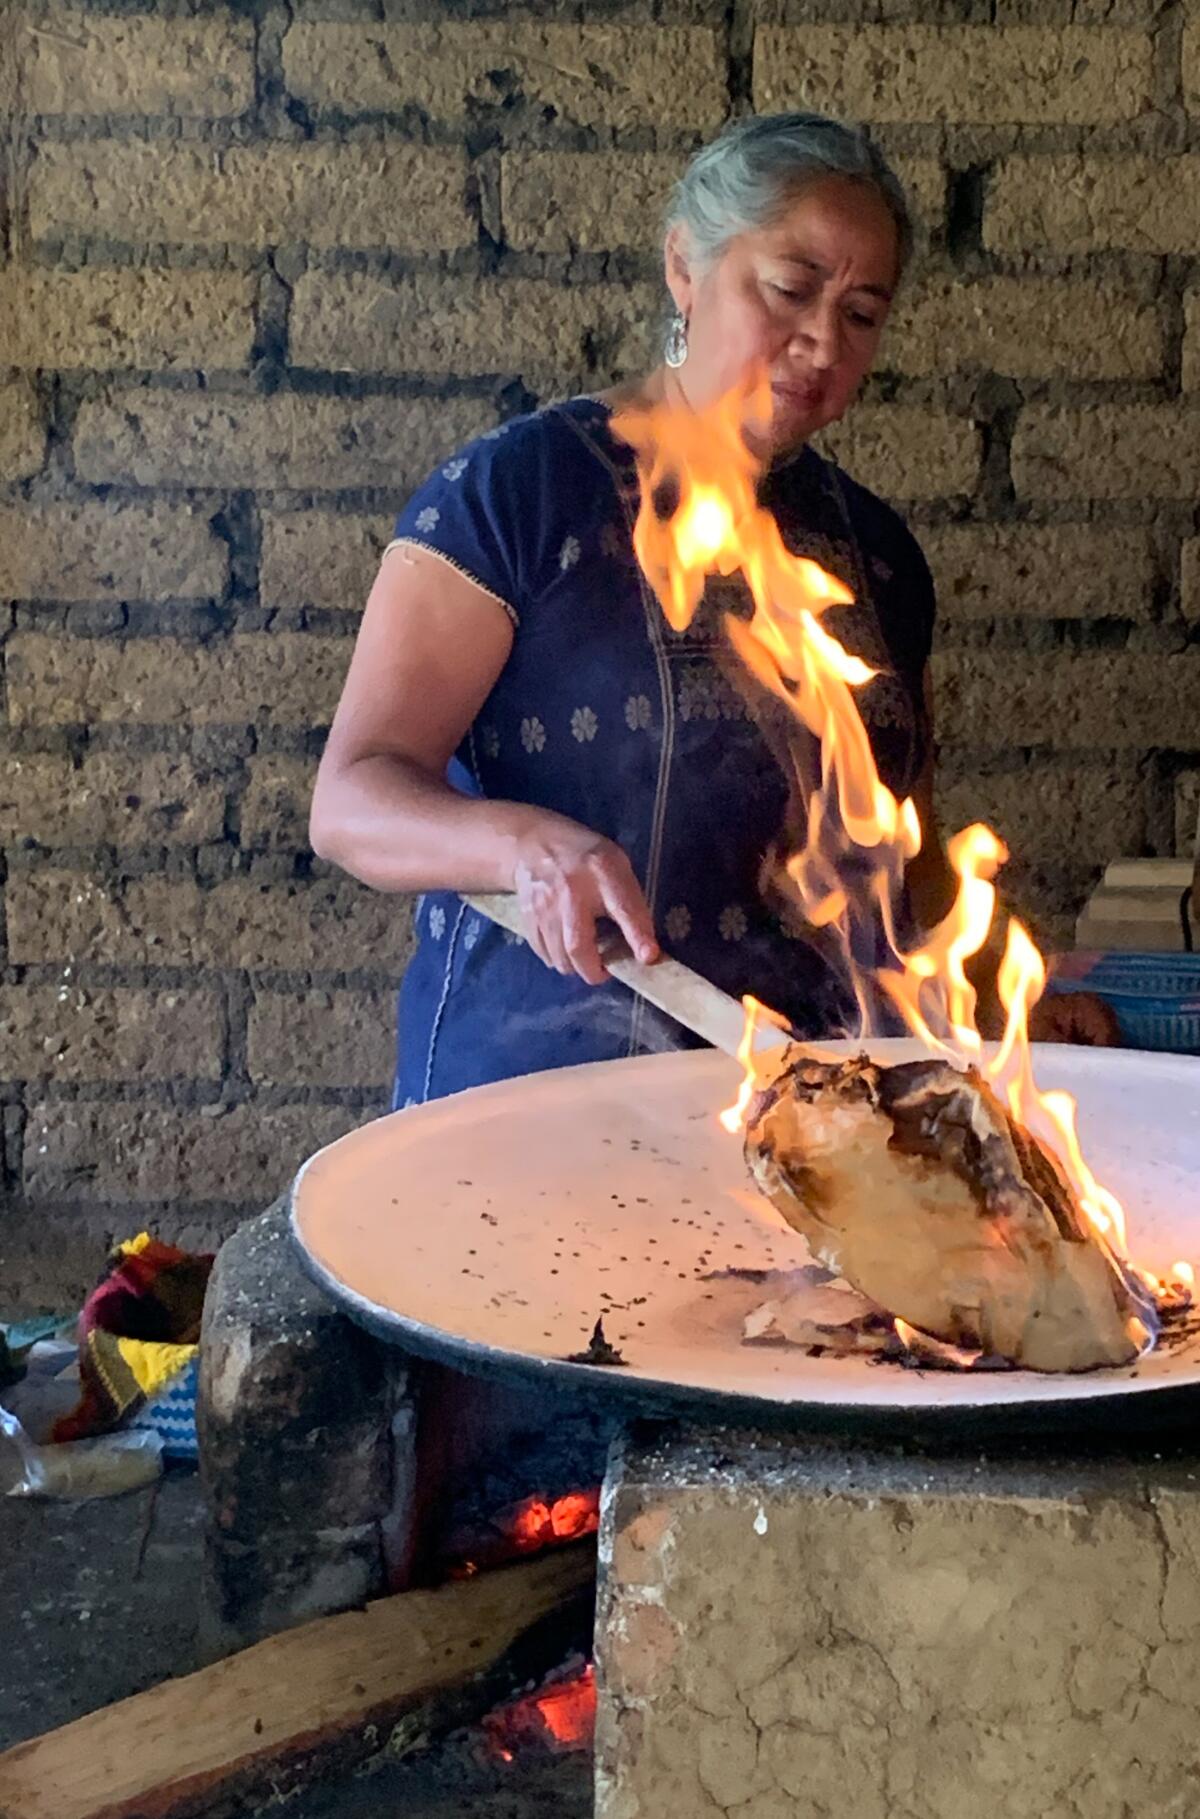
<point x="817" y="339"/>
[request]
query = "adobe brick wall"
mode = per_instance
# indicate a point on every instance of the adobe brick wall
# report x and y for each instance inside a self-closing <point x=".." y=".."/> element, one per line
<point x="793" y="1630"/>
<point x="264" y="264"/>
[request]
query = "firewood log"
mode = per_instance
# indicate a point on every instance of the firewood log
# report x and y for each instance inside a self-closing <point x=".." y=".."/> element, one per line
<point x="915" y="1184"/>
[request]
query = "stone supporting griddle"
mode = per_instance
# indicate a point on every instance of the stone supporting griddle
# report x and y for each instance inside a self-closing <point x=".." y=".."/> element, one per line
<point x="801" y="1631"/>
<point x="306" y="1428"/>
<point x="336" y="1468"/>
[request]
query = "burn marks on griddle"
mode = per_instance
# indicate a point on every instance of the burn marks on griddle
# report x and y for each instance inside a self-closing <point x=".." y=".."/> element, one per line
<point x="598" y="1351"/>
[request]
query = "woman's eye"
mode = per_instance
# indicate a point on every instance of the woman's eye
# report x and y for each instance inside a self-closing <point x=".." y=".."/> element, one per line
<point x="793" y="296"/>
<point x="861" y="321"/>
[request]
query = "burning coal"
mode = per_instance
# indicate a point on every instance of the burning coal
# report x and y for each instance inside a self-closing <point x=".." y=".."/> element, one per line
<point x="560" y="1716"/>
<point x="1050" y="1251"/>
<point x="527" y="1527"/>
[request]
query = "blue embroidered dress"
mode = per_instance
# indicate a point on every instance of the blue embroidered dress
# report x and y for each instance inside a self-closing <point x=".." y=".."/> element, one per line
<point x="603" y="713"/>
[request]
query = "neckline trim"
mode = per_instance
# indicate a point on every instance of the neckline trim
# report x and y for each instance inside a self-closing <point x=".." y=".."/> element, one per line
<point x="779" y="464"/>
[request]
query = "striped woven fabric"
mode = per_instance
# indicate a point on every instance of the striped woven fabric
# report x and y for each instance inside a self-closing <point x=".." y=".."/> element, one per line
<point x="138" y="1343"/>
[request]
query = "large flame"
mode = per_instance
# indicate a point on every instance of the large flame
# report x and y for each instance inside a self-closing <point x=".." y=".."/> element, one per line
<point x="700" y="516"/>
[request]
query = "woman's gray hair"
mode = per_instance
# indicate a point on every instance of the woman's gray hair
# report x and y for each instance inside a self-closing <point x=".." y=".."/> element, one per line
<point x="749" y="174"/>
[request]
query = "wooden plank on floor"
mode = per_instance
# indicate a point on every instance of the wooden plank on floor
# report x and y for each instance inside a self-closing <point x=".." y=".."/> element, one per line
<point x="169" y="1751"/>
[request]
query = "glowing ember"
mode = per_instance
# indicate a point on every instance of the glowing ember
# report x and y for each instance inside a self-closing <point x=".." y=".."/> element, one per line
<point x="569" y="1710"/>
<point x="560" y="1716"/>
<point x="538" y="1524"/>
<point x="527" y="1528"/>
<point x="1176" y="1294"/>
<point x="575" y="1515"/>
<point x="700" y="516"/>
<point x="531" y="1524"/>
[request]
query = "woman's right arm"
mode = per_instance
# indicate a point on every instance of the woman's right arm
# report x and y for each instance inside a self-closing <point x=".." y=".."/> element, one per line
<point x="428" y="653"/>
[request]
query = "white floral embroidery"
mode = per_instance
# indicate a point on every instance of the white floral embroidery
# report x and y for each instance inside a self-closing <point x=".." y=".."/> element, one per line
<point x="569" y="554"/>
<point x="494" y="435"/>
<point x="472" y="932"/>
<point x="704" y="694"/>
<point x="584" y="724"/>
<point x="637" y="713"/>
<point x="533" y="734"/>
<point x="732" y="922"/>
<point x="489" y="738"/>
<point x="454" y="470"/>
<point x="511" y="939"/>
<point x="428" y="519"/>
<point x="437" y="921"/>
<point x="679" y="922"/>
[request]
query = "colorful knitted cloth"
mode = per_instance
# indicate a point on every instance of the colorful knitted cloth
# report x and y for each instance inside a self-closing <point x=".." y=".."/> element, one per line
<point x="138" y="1330"/>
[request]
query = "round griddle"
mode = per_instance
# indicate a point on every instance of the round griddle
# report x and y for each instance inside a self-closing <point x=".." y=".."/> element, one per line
<point x="492" y="1229"/>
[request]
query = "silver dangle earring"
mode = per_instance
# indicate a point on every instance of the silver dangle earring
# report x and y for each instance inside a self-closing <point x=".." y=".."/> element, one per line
<point x="676" y="350"/>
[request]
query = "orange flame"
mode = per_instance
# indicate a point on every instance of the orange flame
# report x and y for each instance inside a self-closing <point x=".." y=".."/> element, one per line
<point x="757" y="1014"/>
<point x="924" y="1345"/>
<point x="700" y="516"/>
<point x="933" y="979"/>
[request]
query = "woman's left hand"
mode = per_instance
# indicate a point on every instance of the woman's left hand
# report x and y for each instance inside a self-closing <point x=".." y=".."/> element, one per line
<point x="1079" y="1017"/>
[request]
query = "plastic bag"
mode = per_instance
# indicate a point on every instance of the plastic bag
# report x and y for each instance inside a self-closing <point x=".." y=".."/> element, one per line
<point x="103" y="1467"/>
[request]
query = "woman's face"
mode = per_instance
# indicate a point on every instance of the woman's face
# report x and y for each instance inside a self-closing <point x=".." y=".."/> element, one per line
<point x="803" y="301"/>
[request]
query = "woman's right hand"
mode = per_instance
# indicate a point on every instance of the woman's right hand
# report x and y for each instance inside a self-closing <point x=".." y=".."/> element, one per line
<point x="565" y="877"/>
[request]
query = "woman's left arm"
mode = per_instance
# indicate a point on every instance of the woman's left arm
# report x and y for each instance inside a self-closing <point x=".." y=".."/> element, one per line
<point x="1078" y="1017"/>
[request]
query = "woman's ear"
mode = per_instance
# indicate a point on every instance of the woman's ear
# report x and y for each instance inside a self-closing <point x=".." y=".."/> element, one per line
<point x="677" y="269"/>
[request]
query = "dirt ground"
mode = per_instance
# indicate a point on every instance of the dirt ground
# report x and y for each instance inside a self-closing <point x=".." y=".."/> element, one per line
<point x="99" y="1600"/>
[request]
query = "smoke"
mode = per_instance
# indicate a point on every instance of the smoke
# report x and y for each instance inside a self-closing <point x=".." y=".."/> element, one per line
<point x="607" y="1013"/>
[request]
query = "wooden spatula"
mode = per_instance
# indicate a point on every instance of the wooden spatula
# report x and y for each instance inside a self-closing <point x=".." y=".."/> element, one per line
<point x="674" y="988"/>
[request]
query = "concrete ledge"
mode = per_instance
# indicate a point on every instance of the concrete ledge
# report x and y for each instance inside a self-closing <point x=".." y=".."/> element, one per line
<point x="816" y="1633"/>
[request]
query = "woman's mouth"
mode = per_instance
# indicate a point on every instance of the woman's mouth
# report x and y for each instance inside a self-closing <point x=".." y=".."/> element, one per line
<point x="799" y="398"/>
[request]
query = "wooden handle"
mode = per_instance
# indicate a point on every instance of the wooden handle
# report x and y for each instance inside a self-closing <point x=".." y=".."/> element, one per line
<point x="672" y="987"/>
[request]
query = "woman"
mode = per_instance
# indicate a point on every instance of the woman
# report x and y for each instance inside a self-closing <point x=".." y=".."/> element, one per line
<point x="519" y="716"/>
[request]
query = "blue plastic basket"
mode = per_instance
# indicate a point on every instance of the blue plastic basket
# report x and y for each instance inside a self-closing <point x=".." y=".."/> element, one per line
<point x="1155" y="997"/>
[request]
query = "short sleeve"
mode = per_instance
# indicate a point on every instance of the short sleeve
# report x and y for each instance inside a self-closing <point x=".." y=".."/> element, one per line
<point x="490" y="511"/>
